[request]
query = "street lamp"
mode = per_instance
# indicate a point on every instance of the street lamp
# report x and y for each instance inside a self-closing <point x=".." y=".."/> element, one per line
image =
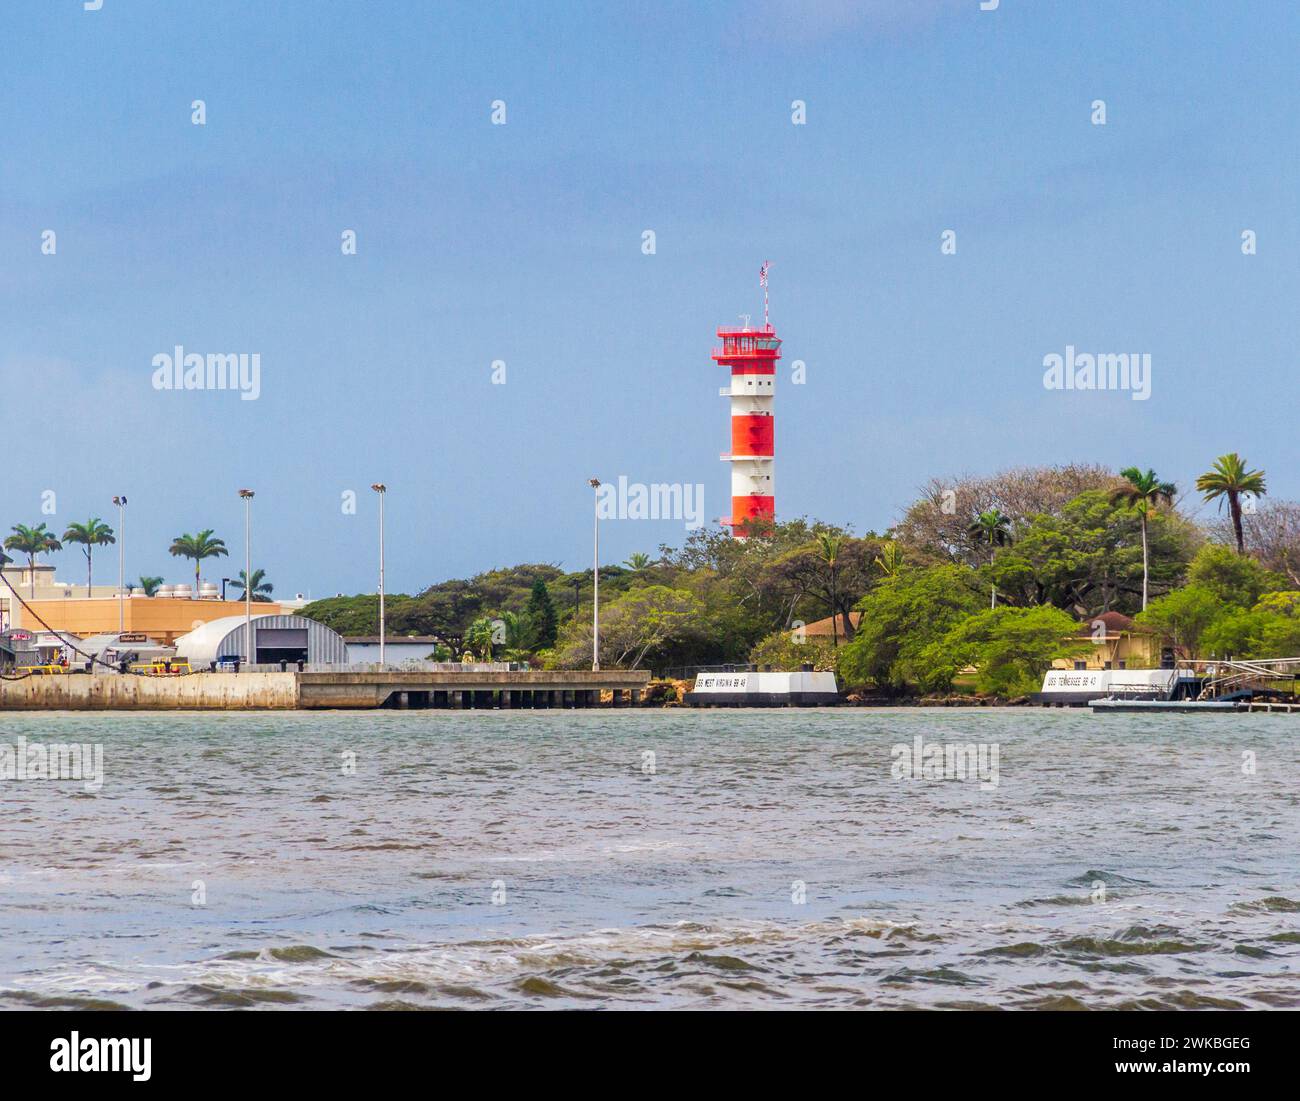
<point x="595" y="579"/>
<point x="247" y="495"/>
<point x="381" y="489"/>
<point x="120" y="501"/>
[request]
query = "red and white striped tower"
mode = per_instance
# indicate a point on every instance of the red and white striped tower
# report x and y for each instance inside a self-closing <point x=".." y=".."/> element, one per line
<point x="751" y="354"/>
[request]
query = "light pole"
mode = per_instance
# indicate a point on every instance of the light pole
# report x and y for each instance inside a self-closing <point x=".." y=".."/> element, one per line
<point x="595" y="579"/>
<point x="120" y="501"/>
<point x="249" y="655"/>
<point x="381" y="489"/>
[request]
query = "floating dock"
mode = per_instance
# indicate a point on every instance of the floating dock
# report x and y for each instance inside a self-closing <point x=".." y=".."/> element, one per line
<point x="1179" y="707"/>
<point x="351" y="690"/>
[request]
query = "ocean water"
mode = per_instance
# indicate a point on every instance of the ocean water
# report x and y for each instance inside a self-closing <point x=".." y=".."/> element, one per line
<point x="759" y="859"/>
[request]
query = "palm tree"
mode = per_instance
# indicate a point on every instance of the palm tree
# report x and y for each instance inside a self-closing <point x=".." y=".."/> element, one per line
<point x="994" y="528"/>
<point x="828" y="550"/>
<point x="890" y="559"/>
<point x="261" y="587"/>
<point x="1229" y="478"/>
<point x="31" y="542"/>
<point x="150" y="585"/>
<point x="637" y="562"/>
<point x="198" y="547"/>
<point x="93" y="533"/>
<point x="1143" y="492"/>
<point x="479" y="639"/>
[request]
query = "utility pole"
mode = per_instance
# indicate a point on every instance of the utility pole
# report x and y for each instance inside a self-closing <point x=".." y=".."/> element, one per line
<point x="120" y="501"/>
<point x="381" y="489"/>
<point x="595" y="579"/>
<point x="251" y="654"/>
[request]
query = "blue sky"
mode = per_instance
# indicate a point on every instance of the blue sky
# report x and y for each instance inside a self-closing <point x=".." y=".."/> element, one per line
<point x="522" y="243"/>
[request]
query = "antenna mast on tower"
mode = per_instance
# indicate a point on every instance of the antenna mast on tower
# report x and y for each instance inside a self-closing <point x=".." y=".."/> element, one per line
<point x="762" y="280"/>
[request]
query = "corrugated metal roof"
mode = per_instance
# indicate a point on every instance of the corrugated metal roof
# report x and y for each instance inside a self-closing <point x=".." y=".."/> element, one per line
<point x="224" y="638"/>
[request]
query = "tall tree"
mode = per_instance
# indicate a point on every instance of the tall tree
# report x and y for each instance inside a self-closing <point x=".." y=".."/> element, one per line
<point x="637" y="562"/>
<point x="541" y="613"/>
<point x="262" y="589"/>
<point x="828" y="550"/>
<point x="1143" y="492"/>
<point x="31" y="542"/>
<point x="1229" y="479"/>
<point x="992" y="529"/>
<point x="198" y="547"/>
<point x="93" y="533"/>
<point x="480" y="637"/>
<point x="890" y="559"/>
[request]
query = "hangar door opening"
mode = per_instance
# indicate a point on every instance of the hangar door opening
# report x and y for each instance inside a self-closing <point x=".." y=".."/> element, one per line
<point x="276" y="644"/>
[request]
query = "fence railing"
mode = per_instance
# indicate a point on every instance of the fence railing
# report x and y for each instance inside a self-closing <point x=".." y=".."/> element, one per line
<point x="418" y="666"/>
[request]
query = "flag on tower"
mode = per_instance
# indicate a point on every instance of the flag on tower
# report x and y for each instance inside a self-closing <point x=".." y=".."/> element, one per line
<point x="762" y="273"/>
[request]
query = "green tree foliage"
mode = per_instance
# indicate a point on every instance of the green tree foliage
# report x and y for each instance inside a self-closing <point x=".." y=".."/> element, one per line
<point x="541" y="614"/>
<point x="785" y="650"/>
<point x="198" y="547"/>
<point x="359" y="615"/>
<point x="934" y="528"/>
<point x="1283" y="602"/>
<point x="501" y="636"/>
<point x="448" y="608"/>
<point x="991" y="529"/>
<point x="1088" y="558"/>
<point x="31" y="542"/>
<point x="890" y="559"/>
<point x="1234" y="578"/>
<point x="1010" y="647"/>
<point x="262" y="589"/>
<point x="1229" y="480"/>
<point x="1270" y="629"/>
<point x="637" y="622"/>
<point x="826" y="575"/>
<point x="1183" y="616"/>
<point x="93" y="533"/>
<point x="901" y="619"/>
<point x="1231" y="607"/>
<point x="1143" y="493"/>
<point x="478" y="638"/>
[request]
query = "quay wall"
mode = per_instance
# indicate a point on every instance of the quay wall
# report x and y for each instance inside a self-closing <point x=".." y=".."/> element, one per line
<point x="253" y="691"/>
<point x="114" y="692"/>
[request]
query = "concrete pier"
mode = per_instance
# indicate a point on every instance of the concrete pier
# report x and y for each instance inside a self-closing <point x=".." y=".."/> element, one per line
<point x="118" y="692"/>
<point x="251" y="691"/>
<point x="478" y="690"/>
